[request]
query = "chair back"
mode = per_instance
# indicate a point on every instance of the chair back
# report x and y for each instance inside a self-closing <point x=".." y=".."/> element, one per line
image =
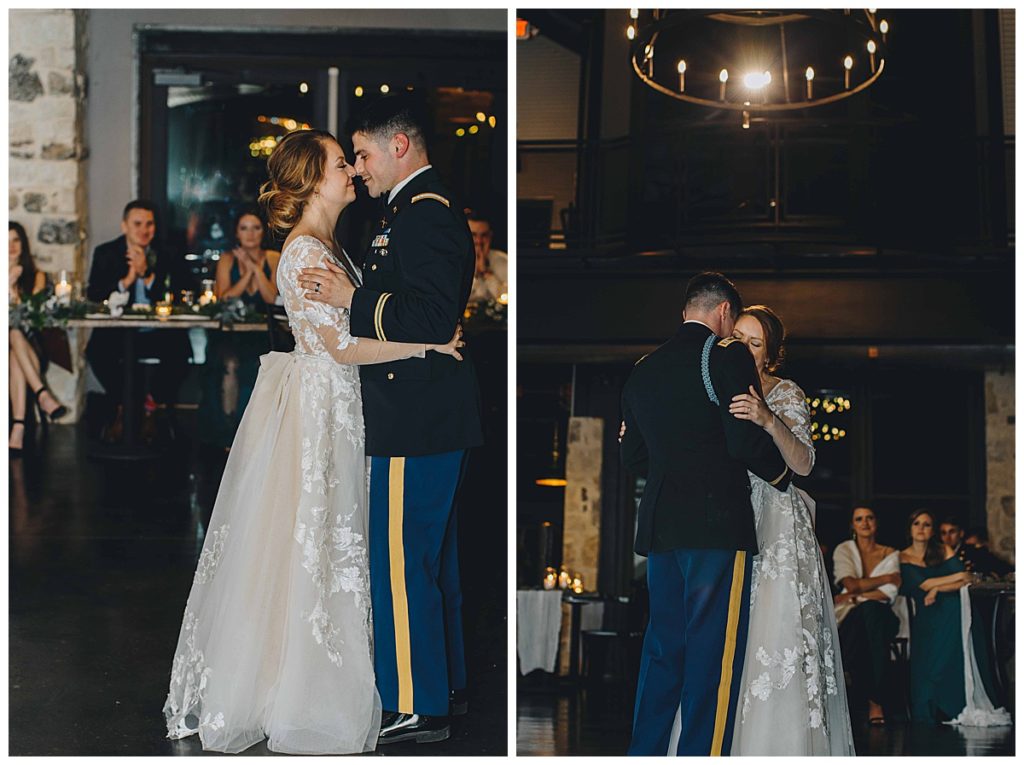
<point x="279" y="331"/>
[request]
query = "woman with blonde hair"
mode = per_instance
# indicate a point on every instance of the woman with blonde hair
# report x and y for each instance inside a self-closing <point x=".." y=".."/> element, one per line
<point x="276" y="639"/>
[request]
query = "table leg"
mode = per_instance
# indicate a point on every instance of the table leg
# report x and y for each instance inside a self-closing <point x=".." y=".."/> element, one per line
<point x="574" y="642"/>
<point x="131" y="435"/>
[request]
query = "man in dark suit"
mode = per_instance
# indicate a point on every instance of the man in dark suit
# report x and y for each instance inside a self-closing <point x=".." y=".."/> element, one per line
<point x="696" y="523"/>
<point x="422" y="416"/>
<point x="975" y="557"/>
<point x="130" y="264"/>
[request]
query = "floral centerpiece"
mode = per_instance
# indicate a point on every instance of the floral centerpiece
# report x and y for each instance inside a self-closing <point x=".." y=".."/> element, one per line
<point x="44" y="309"/>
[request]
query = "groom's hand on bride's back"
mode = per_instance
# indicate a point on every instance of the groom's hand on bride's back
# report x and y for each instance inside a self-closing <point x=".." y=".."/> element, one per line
<point x="336" y="288"/>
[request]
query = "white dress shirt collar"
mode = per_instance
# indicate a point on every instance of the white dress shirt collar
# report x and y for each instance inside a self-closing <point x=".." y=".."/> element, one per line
<point x="401" y="184"/>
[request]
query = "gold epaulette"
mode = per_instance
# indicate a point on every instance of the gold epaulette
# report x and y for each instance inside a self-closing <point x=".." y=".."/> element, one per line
<point x="430" y="195"/>
<point x="725" y="342"/>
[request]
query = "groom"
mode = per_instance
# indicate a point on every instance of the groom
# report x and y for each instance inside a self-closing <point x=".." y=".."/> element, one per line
<point x="696" y="523"/>
<point x="422" y="416"/>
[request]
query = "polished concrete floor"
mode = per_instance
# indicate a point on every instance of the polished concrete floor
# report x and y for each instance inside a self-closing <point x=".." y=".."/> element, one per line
<point x="554" y="721"/>
<point x="101" y="561"/>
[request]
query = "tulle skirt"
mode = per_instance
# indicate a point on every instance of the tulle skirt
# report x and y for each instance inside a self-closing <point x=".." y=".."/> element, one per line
<point x="276" y="639"/>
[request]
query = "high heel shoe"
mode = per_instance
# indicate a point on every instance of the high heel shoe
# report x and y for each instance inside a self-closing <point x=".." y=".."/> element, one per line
<point x="12" y="452"/>
<point x="57" y="413"/>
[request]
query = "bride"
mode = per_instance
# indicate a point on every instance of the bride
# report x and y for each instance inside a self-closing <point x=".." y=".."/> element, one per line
<point x="276" y="639"/>
<point x="792" y="693"/>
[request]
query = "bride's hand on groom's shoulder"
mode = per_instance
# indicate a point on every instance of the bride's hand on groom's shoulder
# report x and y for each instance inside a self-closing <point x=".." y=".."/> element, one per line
<point x="451" y="348"/>
<point x="749" y="406"/>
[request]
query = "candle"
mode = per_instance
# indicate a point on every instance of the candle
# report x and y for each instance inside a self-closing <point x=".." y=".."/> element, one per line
<point x="163" y="310"/>
<point x="809" y="74"/>
<point x="564" y="579"/>
<point x="847" y="66"/>
<point x="550" y="579"/>
<point x="503" y="298"/>
<point x="723" y="77"/>
<point x="577" y="583"/>
<point x="681" y="68"/>
<point x="62" y="290"/>
<point x="871" y="53"/>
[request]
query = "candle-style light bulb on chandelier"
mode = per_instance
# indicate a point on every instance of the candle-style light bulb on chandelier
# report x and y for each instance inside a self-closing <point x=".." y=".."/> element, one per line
<point x="784" y="60"/>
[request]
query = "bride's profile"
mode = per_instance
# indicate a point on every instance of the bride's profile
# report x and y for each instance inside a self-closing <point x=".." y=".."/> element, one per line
<point x="276" y="638"/>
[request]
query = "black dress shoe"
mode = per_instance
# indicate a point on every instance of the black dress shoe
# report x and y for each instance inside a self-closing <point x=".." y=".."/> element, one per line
<point x="401" y="726"/>
<point x="458" y="702"/>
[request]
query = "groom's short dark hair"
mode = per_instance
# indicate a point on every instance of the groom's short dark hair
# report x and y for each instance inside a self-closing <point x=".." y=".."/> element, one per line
<point x="388" y="115"/>
<point x="709" y="288"/>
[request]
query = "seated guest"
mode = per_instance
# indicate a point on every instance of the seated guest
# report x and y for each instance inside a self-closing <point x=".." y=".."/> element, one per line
<point x="490" y="279"/>
<point x="25" y="356"/>
<point x="130" y="264"/>
<point x="975" y="558"/>
<point x="869" y="575"/>
<point x="248" y="273"/>
<point x="932" y="577"/>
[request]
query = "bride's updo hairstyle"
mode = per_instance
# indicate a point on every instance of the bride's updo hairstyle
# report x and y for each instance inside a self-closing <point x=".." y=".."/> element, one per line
<point x="774" y="334"/>
<point x="296" y="168"/>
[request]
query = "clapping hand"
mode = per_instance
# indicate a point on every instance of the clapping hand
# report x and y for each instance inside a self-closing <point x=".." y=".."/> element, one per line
<point x="136" y="257"/>
<point x="750" y="406"/>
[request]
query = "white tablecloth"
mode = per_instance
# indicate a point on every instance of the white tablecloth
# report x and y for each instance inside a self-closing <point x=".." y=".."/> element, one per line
<point x="538" y="623"/>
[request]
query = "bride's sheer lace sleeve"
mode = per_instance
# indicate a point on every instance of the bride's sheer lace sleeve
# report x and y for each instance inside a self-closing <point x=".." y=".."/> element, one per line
<point x="789" y="404"/>
<point x="320" y="329"/>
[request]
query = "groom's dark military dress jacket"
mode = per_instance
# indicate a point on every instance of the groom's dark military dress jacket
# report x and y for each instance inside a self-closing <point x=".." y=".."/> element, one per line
<point x="416" y="282"/>
<point x="694" y="454"/>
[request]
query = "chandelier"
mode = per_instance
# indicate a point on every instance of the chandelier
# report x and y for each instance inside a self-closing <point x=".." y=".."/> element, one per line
<point x="758" y="61"/>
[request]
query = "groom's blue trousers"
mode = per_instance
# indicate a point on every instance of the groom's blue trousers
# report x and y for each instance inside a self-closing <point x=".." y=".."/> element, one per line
<point x="414" y="580"/>
<point x="693" y="651"/>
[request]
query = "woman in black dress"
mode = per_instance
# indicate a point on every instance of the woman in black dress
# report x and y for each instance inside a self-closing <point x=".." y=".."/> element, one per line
<point x="27" y="362"/>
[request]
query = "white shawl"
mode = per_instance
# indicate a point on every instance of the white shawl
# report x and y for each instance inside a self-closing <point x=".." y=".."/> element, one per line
<point x="846" y="562"/>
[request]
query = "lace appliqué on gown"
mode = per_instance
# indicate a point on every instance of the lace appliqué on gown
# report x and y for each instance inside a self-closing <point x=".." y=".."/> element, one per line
<point x="792" y="673"/>
<point x="212" y="551"/>
<point x="276" y="641"/>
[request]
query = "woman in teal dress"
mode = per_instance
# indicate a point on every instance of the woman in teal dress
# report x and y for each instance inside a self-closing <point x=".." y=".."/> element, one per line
<point x="247" y="273"/>
<point x="932" y="577"/>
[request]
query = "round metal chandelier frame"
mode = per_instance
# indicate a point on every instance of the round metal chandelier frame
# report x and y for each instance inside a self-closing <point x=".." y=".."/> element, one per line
<point x="866" y="25"/>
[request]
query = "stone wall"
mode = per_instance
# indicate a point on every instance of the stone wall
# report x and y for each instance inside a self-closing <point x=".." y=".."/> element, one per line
<point x="581" y="538"/>
<point x="999" y="453"/>
<point x="46" y="182"/>
<point x="46" y="110"/>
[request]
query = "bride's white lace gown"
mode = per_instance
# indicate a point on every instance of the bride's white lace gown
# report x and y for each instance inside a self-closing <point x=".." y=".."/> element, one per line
<point x="276" y="640"/>
<point x="792" y="694"/>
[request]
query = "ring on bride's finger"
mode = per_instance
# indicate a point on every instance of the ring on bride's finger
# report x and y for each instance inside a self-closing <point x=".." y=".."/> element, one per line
<point x="317" y="287"/>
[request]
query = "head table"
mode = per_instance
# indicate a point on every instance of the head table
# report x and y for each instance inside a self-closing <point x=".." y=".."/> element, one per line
<point x="131" y="447"/>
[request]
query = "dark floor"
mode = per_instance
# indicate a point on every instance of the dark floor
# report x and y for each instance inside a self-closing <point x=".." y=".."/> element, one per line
<point x="597" y="721"/>
<point x="102" y="558"/>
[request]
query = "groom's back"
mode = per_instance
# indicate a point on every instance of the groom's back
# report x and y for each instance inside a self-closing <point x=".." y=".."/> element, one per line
<point x="697" y="495"/>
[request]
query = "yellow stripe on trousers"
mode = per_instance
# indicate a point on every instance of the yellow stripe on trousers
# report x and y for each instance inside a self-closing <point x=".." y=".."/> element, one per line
<point x="399" y="599"/>
<point x="729" y="652"/>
